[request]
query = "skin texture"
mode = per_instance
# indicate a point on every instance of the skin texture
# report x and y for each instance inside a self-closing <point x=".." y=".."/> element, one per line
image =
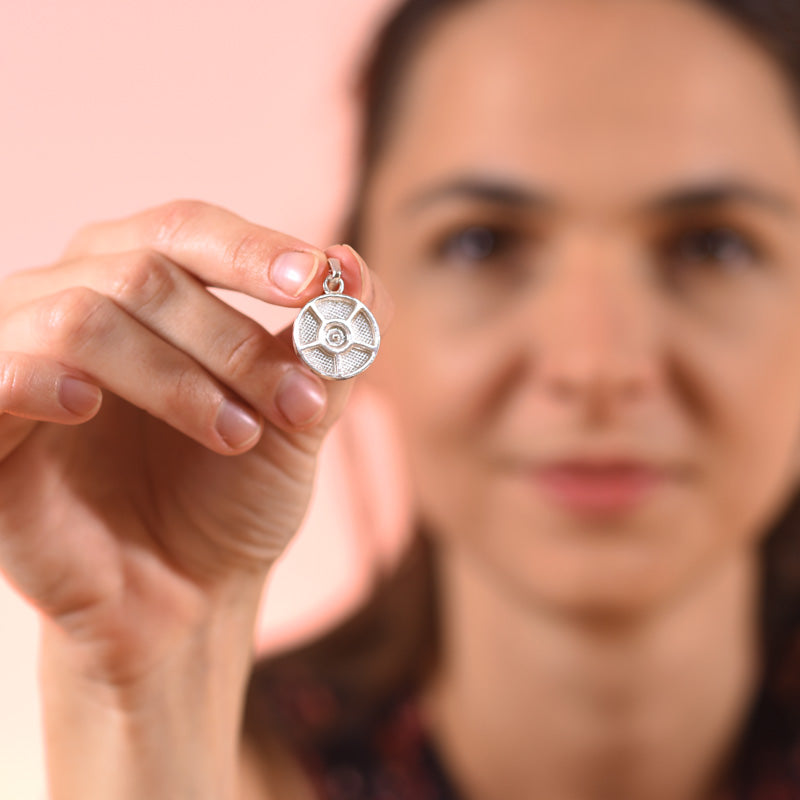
<point x="138" y="523"/>
<point x="595" y="324"/>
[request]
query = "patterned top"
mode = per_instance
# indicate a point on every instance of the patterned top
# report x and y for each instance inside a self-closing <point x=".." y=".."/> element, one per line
<point x="346" y="705"/>
<point x="395" y="759"/>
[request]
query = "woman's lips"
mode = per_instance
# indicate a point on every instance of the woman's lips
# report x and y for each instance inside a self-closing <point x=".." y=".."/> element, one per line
<point x="598" y="488"/>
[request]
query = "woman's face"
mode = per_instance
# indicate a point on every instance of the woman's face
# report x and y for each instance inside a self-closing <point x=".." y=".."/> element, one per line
<point x="588" y="215"/>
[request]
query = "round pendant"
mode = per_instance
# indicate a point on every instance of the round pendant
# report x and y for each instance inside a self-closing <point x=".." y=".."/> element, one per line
<point x="336" y="335"/>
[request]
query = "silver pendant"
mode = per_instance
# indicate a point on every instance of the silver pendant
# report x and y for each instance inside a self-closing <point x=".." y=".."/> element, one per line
<point x="335" y="334"/>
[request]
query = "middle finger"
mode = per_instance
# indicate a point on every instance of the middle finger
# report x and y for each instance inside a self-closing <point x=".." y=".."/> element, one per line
<point x="255" y="365"/>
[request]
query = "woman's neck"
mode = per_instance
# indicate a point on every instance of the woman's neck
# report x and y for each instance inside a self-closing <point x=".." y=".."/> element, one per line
<point x="528" y="704"/>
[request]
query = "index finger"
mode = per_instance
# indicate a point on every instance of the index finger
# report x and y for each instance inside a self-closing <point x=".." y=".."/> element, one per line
<point x="219" y="248"/>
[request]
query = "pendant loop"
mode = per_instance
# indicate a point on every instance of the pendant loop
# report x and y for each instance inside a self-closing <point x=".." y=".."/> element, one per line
<point x="333" y="283"/>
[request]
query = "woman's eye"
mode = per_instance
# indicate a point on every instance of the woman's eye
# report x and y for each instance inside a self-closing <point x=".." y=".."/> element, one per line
<point x="720" y="247"/>
<point x="474" y="244"/>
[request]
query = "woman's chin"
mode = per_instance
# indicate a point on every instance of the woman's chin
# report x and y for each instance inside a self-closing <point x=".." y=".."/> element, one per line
<point x="611" y="581"/>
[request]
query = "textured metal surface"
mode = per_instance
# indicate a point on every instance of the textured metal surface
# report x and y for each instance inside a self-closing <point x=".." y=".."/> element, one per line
<point x="336" y="335"/>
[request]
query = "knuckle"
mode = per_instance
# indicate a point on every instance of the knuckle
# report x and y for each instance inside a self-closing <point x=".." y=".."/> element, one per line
<point x="142" y="279"/>
<point x="171" y="217"/>
<point x="73" y="317"/>
<point x="248" y="349"/>
<point x="248" y="253"/>
<point x="186" y="391"/>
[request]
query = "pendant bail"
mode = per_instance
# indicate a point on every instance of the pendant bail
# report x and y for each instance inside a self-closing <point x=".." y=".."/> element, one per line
<point x="333" y="283"/>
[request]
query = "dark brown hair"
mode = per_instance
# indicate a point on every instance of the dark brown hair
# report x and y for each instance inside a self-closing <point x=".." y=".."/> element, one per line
<point x="388" y="647"/>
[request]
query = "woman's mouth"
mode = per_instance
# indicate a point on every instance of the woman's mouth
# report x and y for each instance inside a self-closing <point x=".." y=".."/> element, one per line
<point x="598" y="488"/>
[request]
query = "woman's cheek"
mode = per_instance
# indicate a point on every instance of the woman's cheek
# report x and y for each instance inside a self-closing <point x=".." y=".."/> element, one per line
<point x="758" y="466"/>
<point x="745" y="413"/>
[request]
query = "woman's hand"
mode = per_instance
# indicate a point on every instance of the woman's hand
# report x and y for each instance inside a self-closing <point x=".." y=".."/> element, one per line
<point x="157" y="447"/>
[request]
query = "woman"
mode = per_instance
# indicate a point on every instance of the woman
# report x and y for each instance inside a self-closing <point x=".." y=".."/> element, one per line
<point x="587" y="217"/>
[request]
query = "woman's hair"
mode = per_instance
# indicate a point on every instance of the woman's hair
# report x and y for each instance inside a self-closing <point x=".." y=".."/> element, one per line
<point x="774" y="24"/>
<point x="389" y="646"/>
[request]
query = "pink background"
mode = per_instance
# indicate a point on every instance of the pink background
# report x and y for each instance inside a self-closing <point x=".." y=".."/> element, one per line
<point x="108" y="108"/>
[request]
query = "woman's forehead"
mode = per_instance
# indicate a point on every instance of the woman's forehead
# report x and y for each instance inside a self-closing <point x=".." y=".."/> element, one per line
<point x="589" y="93"/>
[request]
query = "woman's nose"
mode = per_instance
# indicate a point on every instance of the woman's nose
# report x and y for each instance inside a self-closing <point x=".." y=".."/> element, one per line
<point x="598" y="337"/>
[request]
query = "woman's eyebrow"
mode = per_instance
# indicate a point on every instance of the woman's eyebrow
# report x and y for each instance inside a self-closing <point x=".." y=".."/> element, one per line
<point x="492" y="190"/>
<point x="719" y="193"/>
<point x="500" y="192"/>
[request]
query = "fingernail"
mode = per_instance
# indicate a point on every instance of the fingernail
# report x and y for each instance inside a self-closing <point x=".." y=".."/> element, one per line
<point x="291" y="272"/>
<point x="356" y="254"/>
<point x="237" y="426"/>
<point x="78" y="397"/>
<point x="299" y="397"/>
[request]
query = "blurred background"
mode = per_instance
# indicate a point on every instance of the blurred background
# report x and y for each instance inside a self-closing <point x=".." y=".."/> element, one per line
<point x="108" y="108"/>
